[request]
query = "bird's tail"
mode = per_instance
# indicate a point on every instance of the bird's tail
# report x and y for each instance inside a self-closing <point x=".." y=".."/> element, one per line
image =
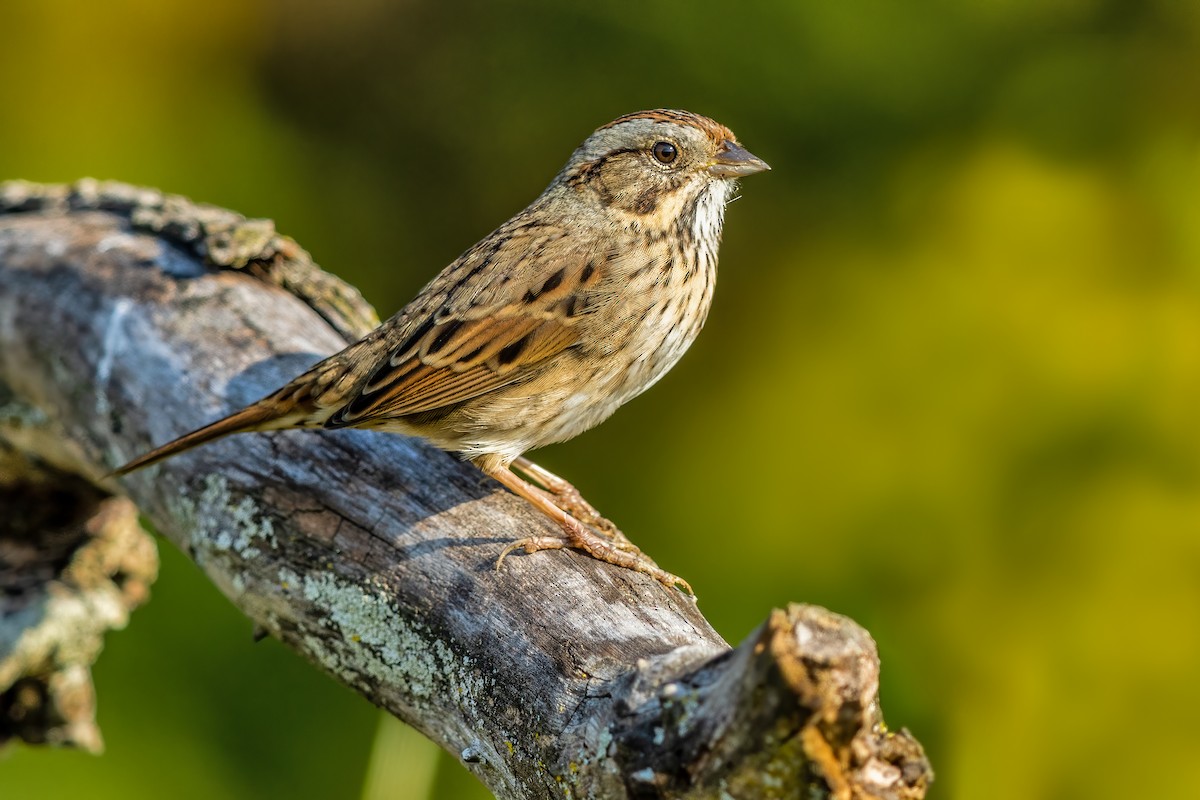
<point x="262" y="416"/>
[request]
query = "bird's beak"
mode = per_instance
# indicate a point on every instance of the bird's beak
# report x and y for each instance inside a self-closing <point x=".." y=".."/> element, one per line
<point x="735" y="161"/>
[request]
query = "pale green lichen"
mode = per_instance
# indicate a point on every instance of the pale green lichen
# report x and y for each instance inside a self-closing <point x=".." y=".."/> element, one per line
<point x="373" y="639"/>
<point x="379" y="643"/>
<point x="369" y="642"/>
<point x="603" y="742"/>
<point x="219" y="524"/>
<point x="643" y="775"/>
<point x="249" y="527"/>
<point x="21" y="423"/>
<point x="223" y="529"/>
<point x="678" y="707"/>
<point x="14" y="413"/>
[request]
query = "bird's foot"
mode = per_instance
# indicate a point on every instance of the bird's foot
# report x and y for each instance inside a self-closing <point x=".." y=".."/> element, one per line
<point x="609" y="544"/>
<point x="566" y="497"/>
<point x="580" y="537"/>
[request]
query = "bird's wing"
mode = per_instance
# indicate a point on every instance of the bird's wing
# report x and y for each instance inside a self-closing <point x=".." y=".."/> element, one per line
<point x="489" y="320"/>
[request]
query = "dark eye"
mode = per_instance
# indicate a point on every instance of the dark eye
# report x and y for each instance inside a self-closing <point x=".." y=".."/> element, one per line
<point x="665" y="152"/>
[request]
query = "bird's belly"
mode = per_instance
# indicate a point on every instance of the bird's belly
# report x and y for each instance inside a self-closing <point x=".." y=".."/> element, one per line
<point x="595" y="400"/>
<point x="584" y="386"/>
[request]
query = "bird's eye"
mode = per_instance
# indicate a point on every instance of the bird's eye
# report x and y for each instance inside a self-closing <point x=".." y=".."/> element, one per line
<point x="665" y="152"/>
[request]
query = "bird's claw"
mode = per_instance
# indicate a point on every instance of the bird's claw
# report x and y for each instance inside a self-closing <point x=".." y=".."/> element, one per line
<point x="601" y="550"/>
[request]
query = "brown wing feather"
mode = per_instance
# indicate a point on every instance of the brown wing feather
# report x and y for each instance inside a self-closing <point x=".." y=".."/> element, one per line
<point x="479" y="339"/>
<point x="485" y="355"/>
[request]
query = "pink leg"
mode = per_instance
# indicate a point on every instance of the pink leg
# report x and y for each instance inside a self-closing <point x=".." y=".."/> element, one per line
<point x="577" y="535"/>
<point x="568" y="498"/>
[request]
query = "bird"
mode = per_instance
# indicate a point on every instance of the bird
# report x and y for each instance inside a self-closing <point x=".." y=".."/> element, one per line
<point x="542" y="329"/>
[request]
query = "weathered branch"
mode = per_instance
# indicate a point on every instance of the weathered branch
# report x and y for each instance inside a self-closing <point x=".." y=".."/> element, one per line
<point x="73" y="564"/>
<point x="124" y="322"/>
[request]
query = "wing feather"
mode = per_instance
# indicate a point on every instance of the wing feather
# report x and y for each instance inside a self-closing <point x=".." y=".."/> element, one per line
<point x="485" y="333"/>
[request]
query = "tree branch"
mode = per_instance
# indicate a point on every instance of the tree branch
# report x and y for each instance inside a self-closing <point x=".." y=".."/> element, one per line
<point x="124" y="322"/>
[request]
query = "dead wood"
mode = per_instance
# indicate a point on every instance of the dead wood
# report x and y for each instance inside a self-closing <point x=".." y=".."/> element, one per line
<point x="128" y="317"/>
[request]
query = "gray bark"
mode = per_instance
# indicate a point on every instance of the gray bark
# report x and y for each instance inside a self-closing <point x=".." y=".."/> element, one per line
<point x="128" y="317"/>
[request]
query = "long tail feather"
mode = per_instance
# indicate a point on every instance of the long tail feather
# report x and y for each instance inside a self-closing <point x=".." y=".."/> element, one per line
<point x="263" y="415"/>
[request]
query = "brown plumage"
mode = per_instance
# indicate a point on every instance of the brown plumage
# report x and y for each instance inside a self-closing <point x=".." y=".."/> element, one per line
<point x="545" y="327"/>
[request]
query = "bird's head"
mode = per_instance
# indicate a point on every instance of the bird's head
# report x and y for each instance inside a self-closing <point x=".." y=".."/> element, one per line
<point x="658" y="166"/>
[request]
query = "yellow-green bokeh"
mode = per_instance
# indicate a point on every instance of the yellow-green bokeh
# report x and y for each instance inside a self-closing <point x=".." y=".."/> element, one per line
<point x="950" y="385"/>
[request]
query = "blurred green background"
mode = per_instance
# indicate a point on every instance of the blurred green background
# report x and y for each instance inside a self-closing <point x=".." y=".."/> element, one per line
<point x="950" y="385"/>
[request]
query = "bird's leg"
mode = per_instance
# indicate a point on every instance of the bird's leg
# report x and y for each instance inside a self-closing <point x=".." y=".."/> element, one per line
<point x="568" y="498"/>
<point x="578" y="535"/>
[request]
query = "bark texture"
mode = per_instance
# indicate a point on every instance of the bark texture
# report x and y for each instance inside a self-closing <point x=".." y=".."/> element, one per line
<point x="128" y="317"/>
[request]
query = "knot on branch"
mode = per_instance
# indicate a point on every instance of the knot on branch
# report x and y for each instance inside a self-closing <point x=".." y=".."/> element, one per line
<point x="791" y="712"/>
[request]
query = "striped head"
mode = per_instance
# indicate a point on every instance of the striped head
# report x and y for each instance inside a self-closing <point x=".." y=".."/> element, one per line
<point x="655" y="168"/>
